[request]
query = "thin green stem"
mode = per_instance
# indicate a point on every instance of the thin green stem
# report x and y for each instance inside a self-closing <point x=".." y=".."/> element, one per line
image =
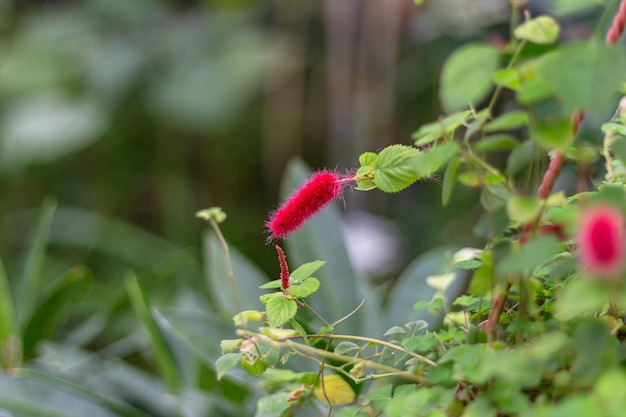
<point x="496" y="93"/>
<point x="318" y="315"/>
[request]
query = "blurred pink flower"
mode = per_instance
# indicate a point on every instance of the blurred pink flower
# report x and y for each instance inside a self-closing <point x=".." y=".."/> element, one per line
<point x="601" y="240"/>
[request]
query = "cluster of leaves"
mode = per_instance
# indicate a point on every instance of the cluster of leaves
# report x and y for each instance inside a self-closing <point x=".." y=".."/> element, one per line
<point x="533" y="335"/>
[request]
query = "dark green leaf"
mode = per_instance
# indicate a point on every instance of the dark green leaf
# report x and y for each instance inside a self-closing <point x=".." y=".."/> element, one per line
<point x="466" y="76"/>
<point x="508" y="121"/>
<point x="449" y="180"/>
<point x="500" y="142"/>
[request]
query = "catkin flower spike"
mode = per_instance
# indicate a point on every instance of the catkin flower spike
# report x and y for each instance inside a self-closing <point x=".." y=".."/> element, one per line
<point x="284" y="269"/>
<point x="322" y="188"/>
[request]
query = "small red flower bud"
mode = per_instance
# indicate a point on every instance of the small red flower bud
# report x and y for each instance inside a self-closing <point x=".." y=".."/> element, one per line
<point x="322" y="188"/>
<point x="284" y="269"/>
<point x="601" y="240"/>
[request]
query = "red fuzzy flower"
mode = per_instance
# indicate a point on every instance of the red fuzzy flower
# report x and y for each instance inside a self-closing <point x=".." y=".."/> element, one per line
<point x="601" y="241"/>
<point x="322" y="188"/>
<point x="284" y="269"/>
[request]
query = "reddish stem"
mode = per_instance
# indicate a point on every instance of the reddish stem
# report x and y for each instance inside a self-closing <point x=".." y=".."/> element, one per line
<point x="618" y="25"/>
<point x="284" y="269"/>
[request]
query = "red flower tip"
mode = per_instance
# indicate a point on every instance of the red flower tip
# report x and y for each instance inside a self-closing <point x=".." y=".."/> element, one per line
<point x="284" y="268"/>
<point x="322" y="188"/>
<point x="601" y="240"/>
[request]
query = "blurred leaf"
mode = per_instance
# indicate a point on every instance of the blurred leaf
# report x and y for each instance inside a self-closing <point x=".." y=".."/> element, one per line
<point x="368" y="159"/>
<point x="431" y="132"/>
<point x="449" y="180"/>
<point x="466" y="76"/>
<point x="584" y="75"/>
<point x="541" y="30"/>
<point x="226" y="362"/>
<point x="429" y="162"/>
<point x="24" y="398"/>
<point x="523" y="209"/>
<point x="563" y="8"/>
<point x="508" y="77"/>
<point x="7" y="314"/>
<point x="48" y="127"/>
<point x="494" y="196"/>
<point x="164" y="358"/>
<point x="531" y="255"/>
<point x="274" y="405"/>
<point x="73" y="288"/>
<point x="341" y="290"/>
<point x="618" y="147"/>
<point x="306" y="270"/>
<point x="557" y="133"/>
<point x="280" y="310"/>
<point x="501" y="142"/>
<point x="334" y="389"/>
<point x="508" y="121"/>
<point x="523" y="155"/>
<point x="581" y="296"/>
<point x="395" y="169"/>
<point x="28" y="286"/>
<point x="248" y="277"/>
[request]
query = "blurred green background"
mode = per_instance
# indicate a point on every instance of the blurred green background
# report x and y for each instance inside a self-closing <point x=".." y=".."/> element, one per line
<point x="120" y="119"/>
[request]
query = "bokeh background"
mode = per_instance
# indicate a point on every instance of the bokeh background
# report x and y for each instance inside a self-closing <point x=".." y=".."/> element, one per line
<point x="129" y="116"/>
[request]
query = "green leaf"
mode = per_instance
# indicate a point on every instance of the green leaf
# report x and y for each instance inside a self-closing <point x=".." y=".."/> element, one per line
<point x="28" y="287"/>
<point x="581" y="296"/>
<point x="523" y="155"/>
<point x="531" y="255"/>
<point x="277" y="283"/>
<point x="346" y="347"/>
<point x="501" y="142"/>
<point x="534" y="91"/>
<point x="379" y="399"/>
<point x="395" y="168"/>
<point x="7" y="316"/>
<point x="469" y="264"/>
<point x="613" y="127"/>
<point x="74" y="287"/>
<point x="274" y="405"/>
<point x="494" y="196"/>
<point x="431" y="132"/>
<point x="466" y="76"/>
<point x="164" y="357"/>
<point x="230" y="345"/>
<point x="254" y="367"/>
<point x="304" y="288"/>
<point x="508" y="77"/>
<point x="449" y="180"/>
<point x="248" y="315"/>
<point x="541" y="30"/>
<point x="618" y="148"/>
<point x="429" y="162"/>
<point x="557" y="133"/>
<point x="584" y="75"/>
<point x="368" y="159"/>
<point x="523" y="209"/>
<point x="306" y="270"/>
<point x="563" y="8"/>
<point x="280" y="310"/>
<point x="356" y="411"/>
<point x="508" y="121"/>
<point x="226" y="362"/>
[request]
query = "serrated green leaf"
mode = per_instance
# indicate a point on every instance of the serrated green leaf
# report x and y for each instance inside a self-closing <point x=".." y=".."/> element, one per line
<point x="230" y="345"/>
<point x="429" y="162"/>
<point x="368" y="159"/>
<point x="523" y="209"/>
<point x="540" y="30"/>
<point x="304" y="288"/>
<point x="306" y="270"/>
<point x="395" y="168"/>
<point x="346" y="347"/>
<point x="253" y="367"/>
<point x="466" y="76"/>
<point x="280" y="310"/>
<point x="508" y="121"/>
<point x="431" y="132"/>
<point x="277" y="283"/>
<point x="364" y="170"/>
<point x="449" y="180"/>
<point x="226" y="362"/>
<point x="557" y="133"/>
<point x="500" y="142"/>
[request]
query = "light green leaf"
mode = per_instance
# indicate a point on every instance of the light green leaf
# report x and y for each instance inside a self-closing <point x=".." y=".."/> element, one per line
<point x="494" y="196"/>
<point x="306" y="270"/>
<point x="395" y="168"/>
<point x="584" y="75"/>
<point x="226" y="362"/>
<point x="368" y="159"/>
<point x="541" y="30"/>
<point x="230" y="345"/>
<point x="213" y="213"/>
<point x="618" y="148"/>
<point x="431" y="132"/>
<point x="557" y="133"/>
<point x="449" y="180"/>
<point x="508" y="121"/>
<point x="581" y="296"/>
<point x="277" y="283"/>
<point x="466" y="76"/>
<point x="429" y="162"/>
<point x="529" y="256"/>
<point x="273" y="405"/>
<point x="346" y="347"/>
<point x="280" y="310"/>
<point x="523" y="209"/>
<point x="253" y="367"/>
<point x="508" y="77"/>
<point x="500" y="142"/>
<point x="305" y="288"/>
